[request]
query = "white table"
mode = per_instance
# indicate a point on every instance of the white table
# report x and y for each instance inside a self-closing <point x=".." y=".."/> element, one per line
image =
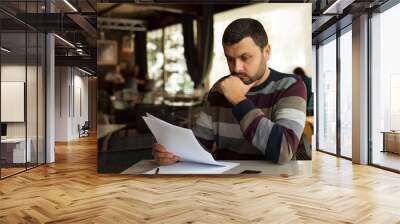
<point x="300" y="167"/>
<point x="19" y="154"/>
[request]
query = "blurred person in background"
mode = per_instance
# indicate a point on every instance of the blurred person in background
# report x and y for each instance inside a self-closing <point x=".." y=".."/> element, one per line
<point x="307" y="81"/>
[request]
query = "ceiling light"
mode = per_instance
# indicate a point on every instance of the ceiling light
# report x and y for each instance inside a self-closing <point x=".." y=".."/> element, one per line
<point x="65" y="41"/>
<point x="70" y="5"/>
<point x="5" y="50"/>
<point x="84" y="71"/>
<point x="338" y="6"/>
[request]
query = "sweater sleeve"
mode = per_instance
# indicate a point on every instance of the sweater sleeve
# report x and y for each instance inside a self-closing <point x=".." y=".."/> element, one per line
<point x="277" y="139"/>
<point x="203" y="128"/>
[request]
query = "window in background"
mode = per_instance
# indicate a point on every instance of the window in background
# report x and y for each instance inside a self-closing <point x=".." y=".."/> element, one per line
<point x="15" y="149"/>
<point x="32" y="96"/>
<point x="394" y="102"/>
<point x="155" y="56"/>
<point x="289" y="33"/>
<point x="346" y="94"/>
<point x="327" y="96"/>
<point x="177" y="79"/>
<point x="385" y="85"/>
<point x="167" y="64"/>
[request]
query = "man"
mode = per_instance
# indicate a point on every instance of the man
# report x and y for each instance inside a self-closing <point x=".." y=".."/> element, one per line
<point x="254" y="113"/>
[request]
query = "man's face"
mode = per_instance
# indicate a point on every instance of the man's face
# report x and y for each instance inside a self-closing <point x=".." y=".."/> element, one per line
<point x="246" y="60"/>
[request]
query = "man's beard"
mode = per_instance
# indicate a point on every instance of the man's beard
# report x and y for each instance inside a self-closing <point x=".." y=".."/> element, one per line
<point x="249" y="80"/>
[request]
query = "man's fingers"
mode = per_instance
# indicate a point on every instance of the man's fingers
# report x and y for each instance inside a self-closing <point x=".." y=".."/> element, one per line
<point x="159" y="148"/>
<point x="166" y="161"/>
<point x="164" y="155"/>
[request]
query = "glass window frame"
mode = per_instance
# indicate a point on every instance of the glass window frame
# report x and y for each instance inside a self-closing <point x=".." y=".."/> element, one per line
<point x="328" y="40"/>
<point x="344" y="31"/>
<point x="41" y="52"/>
<point x="381" y="9"/>
<point x="335" y="37"/>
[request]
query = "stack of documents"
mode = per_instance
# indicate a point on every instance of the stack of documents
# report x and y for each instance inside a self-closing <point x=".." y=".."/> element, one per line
<point x="182" y="142"/>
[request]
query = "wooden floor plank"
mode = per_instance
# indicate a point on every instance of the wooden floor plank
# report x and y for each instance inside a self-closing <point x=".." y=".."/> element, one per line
<point x="71" y="191"/>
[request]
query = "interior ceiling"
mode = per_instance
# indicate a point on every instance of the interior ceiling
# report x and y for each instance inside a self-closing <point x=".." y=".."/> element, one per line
<point x="359" y="5"/>
<point x="156" y="13"/>
<point x="324" y="25"/>
<point x="129" y="10"/>
<point x="62" y="18"/>
<point x="17" y="42"/>
<point x="159" y="15"/>
<point x="79" y="28"/>
<point x="86" y="5"/>
<point x="39" y="5"/>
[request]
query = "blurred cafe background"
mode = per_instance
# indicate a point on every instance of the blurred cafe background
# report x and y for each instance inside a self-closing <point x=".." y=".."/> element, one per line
<point x="162" y="59"/>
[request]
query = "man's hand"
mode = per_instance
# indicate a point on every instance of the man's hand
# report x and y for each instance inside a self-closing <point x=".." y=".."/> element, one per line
<point x="162" y="156"/>
<point x="234" y="89"/>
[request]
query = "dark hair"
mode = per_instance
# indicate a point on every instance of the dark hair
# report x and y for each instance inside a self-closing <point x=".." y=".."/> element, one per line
<point x="299" y="71"/>
<point x="245" y="27"/>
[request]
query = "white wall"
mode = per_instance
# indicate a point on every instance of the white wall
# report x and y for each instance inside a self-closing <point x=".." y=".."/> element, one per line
<point x="61" y="103"/>
<point x="71" y="93"/>
<point x="33" y="127"/>
<point x="80" y="96"/>
<point x="13" y="73"/>
<point x="288" y="27"/>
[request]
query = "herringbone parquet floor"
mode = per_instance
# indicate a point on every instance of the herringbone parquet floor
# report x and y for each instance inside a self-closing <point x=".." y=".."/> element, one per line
<point x="71" y="191"/>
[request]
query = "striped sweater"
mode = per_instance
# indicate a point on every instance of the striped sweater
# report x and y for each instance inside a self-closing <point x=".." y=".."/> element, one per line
<point x="267" y="125"/>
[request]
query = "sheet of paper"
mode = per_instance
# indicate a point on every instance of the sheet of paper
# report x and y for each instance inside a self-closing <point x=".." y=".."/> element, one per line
<point x="179" y="141"/>
<point x="193" y="168"/>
